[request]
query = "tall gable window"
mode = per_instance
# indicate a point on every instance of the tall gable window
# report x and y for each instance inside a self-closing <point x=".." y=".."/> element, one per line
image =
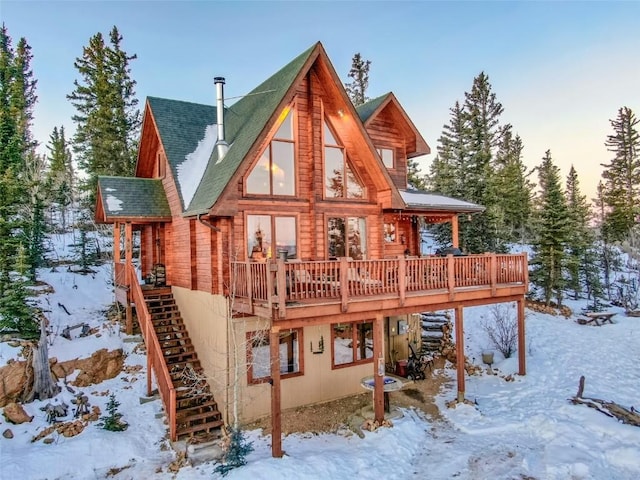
<point x="340" y="179"/>
<point x="274" y="174"/>
<point x="346" y="237"/>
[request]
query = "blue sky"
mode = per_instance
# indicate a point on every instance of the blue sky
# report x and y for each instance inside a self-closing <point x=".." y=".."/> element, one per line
<point x="560" y="69"/>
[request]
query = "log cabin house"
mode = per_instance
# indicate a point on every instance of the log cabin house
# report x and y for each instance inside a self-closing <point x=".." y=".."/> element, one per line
<point x="280" y="248"/>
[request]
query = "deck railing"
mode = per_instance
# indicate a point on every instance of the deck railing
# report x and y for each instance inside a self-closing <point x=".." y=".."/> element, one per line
<point x="155" y="359"/>
<point x="303" y="281"/>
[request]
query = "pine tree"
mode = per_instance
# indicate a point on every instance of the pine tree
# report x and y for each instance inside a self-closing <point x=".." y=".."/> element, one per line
<point x="107" y="118"/>
<point x="622" y="176"/>
<point x="466" y="168"/>
<point x="33" y="210"/>
<point x="415" y="179"/>
<point x="357" y="89"/>
<point x="552" y="233"/>
<point x="17" y="98"/>
<point x="113" y="421"/>
<point x="60" y="178"/>
<point x="581" y="249"/>
<point x="512" y="187"/>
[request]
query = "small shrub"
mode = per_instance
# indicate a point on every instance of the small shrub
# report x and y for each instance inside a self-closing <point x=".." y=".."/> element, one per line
<point x="113" y="421"/>
<point x="502" y="330"/>
<point x="235" y="453"/>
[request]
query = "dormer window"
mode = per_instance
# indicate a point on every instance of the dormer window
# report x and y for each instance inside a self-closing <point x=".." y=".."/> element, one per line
<point x="340" y="179"/>
<point x="274" y="173"/>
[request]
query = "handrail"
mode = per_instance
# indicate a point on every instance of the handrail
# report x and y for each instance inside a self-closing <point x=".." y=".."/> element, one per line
<point x="346" y="278"/>
<point x="155" y="358"/>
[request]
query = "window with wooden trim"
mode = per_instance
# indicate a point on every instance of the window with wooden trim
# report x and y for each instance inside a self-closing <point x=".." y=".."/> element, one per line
<point x="387" y="156"/>
<point x="340" y="178"/>
<point x="274" y="173"/>
<point x="390" y="230"/>
<point x="352" y="343"/>
<point x="347" y="237"/>
<point x="270" y="235"/>
<point x="259" y="355"/>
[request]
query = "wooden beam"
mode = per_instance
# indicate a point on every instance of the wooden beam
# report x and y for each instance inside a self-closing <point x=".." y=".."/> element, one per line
<point x="116" y="243"/>
<point x="460" y="353"/>
<point x="276" y="410"/>
<point x="378" y="367"/>
<point x="454" y="231"/>
<point x="128" y="260"/>
<point x="522" y="367"/>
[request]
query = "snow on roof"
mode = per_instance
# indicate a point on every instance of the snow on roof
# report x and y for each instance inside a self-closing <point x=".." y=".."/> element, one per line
<point x="113" y="203"/>
<point x="190" y="171"/>
<point x="417" y="198"/>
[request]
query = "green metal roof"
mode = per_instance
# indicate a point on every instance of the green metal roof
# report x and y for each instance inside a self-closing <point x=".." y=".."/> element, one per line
<point x="244" y="121"/>
<point x="182" y="125"/>
<point x="124" y="197"/>
<point x="366" y="109"/>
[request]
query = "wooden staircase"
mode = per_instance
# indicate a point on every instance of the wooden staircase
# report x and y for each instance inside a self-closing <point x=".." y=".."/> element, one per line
<point x="436" y="332"/>
<point x="197" y="415"/>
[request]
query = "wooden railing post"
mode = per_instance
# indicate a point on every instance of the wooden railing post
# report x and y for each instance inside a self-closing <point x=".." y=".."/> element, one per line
<point x="281" y="282"/>
<point x="248" y="274"/>
<point x="459" y="325"/>
<point x="451" y="275"/>
<point x="522" y="368"/>
<point x="493" y="268"/>
<point x="402" y="278"/>
<point x="344" y="283"/>
<point x="378" y="365"/>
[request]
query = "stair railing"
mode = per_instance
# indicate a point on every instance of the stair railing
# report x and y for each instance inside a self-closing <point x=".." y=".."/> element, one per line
<point x="155" y="359"/>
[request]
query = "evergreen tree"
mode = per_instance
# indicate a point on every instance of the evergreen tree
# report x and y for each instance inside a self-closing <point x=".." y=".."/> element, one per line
<point x="606" y="251"/>
<point x="580" y="252"/>
<point x="511" y="186"/>
<point x="357" y="89"/>
<point x="60" y="179"/>
<point x="552" y="233"/>
<point x="415" y="179"/>
<point x="107" y="118"/>
<point x="17" y="98"/>
<point x="33" y="210"/>
<point x="466" y="168"/>
<point x="622" y="176"/>
<point x="113" y="420"/>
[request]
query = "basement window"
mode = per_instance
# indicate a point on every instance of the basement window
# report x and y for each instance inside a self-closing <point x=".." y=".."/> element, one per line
<point x="259" y="355"/>
<point x="352" y="343"/>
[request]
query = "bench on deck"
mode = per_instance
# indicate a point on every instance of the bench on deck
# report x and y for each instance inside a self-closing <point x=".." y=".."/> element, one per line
<point x="596" y="318"/>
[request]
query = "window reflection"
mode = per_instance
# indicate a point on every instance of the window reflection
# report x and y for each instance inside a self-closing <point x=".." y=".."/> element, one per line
<point x="346" y="237"/>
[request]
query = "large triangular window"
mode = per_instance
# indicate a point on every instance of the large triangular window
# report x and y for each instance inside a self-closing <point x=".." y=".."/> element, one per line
<point x="340" y="180"/>
<point x="275" y="172"/>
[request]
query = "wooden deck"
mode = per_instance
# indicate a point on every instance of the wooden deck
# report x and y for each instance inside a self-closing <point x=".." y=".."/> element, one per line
<point x="311" y="290"/>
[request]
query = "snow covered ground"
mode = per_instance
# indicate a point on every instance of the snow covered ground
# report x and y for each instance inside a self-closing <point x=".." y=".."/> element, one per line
<point x="521" y="429"/>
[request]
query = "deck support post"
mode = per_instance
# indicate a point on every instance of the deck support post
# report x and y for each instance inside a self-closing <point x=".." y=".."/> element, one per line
<point x="522" y="366"/>
<point x="454" y="231"/>
<point x="116" y="243"/>
<point x="128" y="259"/>
<point x="460" y="353"/>
<point x="378" y="366"/>
<point x="276" y="412"/>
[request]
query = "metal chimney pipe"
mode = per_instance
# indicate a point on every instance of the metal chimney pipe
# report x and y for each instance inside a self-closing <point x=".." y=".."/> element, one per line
<point x="221" y="145"/>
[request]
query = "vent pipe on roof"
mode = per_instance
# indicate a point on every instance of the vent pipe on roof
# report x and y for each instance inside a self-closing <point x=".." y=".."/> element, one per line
<point x="221" y="145"/>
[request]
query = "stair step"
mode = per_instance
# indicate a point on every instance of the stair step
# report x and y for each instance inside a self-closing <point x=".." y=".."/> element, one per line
<point x="170" y="329"/>
<point x="209" y="406"/>
<point x="178" y="357"/>
<point x="204" y="427"/>
<point x="161" y="321"/>
<point x="211" y="415"/>
<point x="174" y="342"/>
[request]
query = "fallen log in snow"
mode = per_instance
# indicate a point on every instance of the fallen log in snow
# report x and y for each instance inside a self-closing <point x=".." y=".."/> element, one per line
<point x="610" y="409"/>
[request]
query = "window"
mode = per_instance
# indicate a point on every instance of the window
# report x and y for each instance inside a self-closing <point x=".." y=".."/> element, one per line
<point x="387" y="156"/>
<point x="161" y="160"/>
<point x="352" y="343"/>
<point x="347" y="237"/>
<point x="267" y="235"/>
<point x="390" y="233"/>
<point x="259" y="355"/>
<point x="340" y="180"/>
<point x="274" y="173"/>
